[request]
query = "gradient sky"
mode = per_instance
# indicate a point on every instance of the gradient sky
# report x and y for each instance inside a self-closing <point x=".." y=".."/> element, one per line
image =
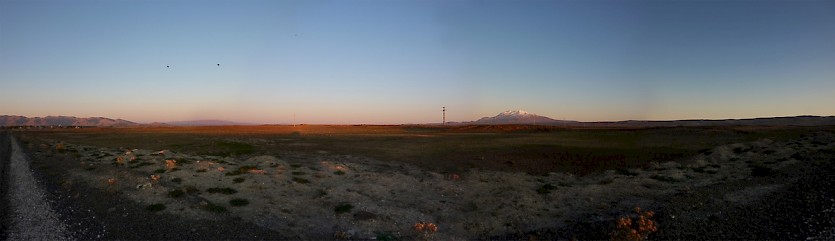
<point x="389" y="62"/>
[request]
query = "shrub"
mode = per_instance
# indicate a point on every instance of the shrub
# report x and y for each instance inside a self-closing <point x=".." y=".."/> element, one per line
<point x="225" y="190"/>
<point x="155" y="207"/>
<point x="211" y="207"/>
<point x="241" y="170"/>
<point x="343" y="208"/>
<point x="159" y="170"/>
<point x="177" y="180"/>
<point x="238" y="180"/>
<point x="545" y="189"/>
<point x="176" y="193"/>
<point x="237" y="202"/>
<point x="761" y="171"/>
<point x="339" y="172"/>
<point x="300" y="180"/>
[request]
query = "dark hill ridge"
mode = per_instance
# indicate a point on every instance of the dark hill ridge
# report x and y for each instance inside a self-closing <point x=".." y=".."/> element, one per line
<point x="13" y="120"/>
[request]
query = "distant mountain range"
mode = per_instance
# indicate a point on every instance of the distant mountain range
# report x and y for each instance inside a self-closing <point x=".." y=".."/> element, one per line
<point x="516" y="117"/>
<point x="519" y="117"/>
<point x="14" y="120"/>
<point x="526" y="118"/>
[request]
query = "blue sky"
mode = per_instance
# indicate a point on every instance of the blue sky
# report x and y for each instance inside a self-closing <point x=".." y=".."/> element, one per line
<point x="389" y="62"/>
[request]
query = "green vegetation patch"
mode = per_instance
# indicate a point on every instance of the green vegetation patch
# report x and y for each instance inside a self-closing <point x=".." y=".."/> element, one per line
<point x="224" y="190"/>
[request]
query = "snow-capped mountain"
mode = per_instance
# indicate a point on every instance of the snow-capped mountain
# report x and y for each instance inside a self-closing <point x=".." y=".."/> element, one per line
<point x="518" y="117"/>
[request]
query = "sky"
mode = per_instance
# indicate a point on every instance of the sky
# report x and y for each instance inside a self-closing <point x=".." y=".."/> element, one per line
<point x="399" y="62"/>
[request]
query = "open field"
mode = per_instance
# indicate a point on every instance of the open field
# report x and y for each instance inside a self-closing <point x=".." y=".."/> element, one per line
<point x="475" y="182"/>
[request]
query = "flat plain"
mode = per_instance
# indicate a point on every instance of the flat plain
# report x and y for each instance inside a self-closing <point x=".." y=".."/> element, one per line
<point x="517" y="182"/>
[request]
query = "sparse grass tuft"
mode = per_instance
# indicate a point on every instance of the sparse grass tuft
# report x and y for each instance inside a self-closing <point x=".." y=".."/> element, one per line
<point x="177" y="180"/>
<point x="339" y="172"/>
<point x="159" y="170"/>
<point x="298" y="173"/>
<point x="237" y="202"/>
<point x="238" y="180"/>
<point x="343" y="208"/>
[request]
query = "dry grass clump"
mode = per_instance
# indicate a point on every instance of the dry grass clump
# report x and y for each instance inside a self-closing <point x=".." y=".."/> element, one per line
<point x="640" y="229"/>
<point x="425" y="230"/>
<point x="170" y="164"/>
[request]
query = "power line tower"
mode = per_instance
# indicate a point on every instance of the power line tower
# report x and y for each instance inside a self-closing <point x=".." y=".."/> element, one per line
<point x="443" y="109"/>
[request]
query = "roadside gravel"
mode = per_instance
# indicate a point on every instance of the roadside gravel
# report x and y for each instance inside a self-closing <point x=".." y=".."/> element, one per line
<point x="30" y="216"/>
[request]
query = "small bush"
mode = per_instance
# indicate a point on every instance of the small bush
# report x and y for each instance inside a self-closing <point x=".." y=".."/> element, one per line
<point x="237" y="202"/>
<point x="339" y="172"/>
<point x="343" y="208"/>
<point x="225" y="190"/>
<point x="238" y="180"/>
<point x="177" y="180"/>
<point x="159" y="170"/>
<point x="300" y="180"/>
<point x="298" y="173"/>
<point x="155" y="207"/>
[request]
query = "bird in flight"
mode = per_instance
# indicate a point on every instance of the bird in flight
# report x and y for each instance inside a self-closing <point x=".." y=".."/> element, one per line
<point x="168" y="66"/>
<point x="218" y="64"/>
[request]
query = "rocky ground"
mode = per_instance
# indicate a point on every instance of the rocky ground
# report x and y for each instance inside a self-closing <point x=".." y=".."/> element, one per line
<point x="753" y="190"/>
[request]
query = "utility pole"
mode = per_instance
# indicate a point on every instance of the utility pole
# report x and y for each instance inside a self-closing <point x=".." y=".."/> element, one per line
<point x="444" y="110"/>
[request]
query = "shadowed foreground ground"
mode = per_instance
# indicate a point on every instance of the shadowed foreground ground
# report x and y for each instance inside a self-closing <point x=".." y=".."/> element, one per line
<point x="721" y="183"/>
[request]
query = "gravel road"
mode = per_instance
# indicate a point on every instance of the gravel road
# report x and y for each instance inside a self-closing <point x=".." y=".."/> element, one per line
<point x="29" y="215"/>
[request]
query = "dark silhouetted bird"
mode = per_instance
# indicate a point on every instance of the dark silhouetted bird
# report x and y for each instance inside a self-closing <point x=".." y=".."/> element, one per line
<point x="167" y="66"/>
<point x="218" y="64"/>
